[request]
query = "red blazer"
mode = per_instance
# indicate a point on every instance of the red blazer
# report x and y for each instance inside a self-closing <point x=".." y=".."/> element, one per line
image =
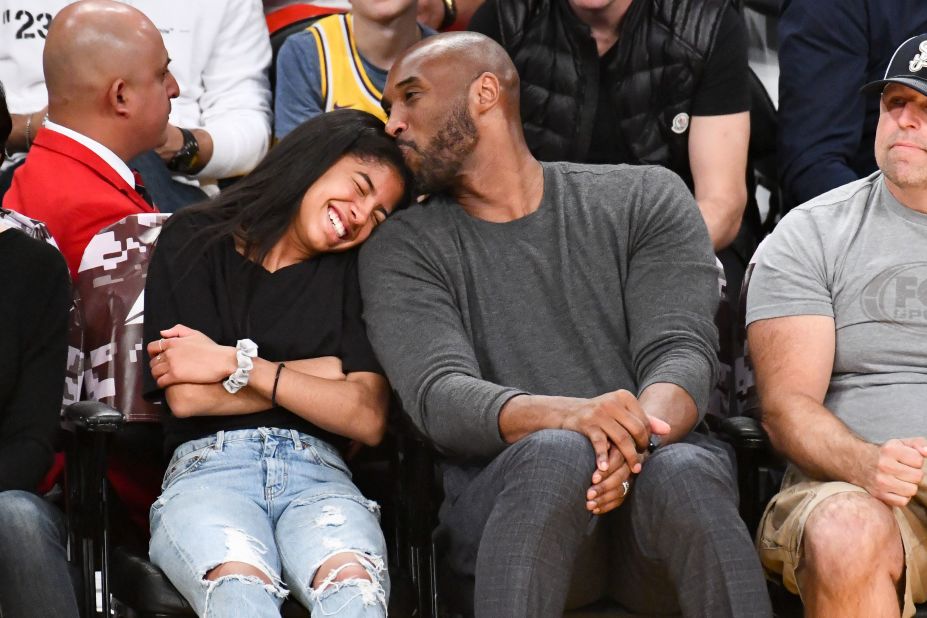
<point x="73" y="190"/>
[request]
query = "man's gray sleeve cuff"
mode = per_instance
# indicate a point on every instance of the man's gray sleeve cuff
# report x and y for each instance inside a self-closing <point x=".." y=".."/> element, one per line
<point x="697" y="376"/>
<point x="461" y="416"/>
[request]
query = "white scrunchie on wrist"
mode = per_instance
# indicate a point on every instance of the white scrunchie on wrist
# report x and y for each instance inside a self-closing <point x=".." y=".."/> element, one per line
<point x="245" y="350"/>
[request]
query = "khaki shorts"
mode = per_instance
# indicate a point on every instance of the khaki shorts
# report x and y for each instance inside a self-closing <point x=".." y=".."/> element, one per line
<point x="780" y="532"/>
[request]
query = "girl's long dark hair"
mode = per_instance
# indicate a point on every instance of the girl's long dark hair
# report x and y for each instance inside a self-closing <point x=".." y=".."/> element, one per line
<point x="258" y="209"/>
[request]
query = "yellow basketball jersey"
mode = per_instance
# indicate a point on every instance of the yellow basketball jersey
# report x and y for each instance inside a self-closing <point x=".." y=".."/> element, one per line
<point x="344" y="81"/>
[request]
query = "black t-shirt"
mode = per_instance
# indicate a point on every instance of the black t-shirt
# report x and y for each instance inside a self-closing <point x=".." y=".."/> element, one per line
<point x="35" y="295"/>
<point x="723" y="89"/>
<point x="307" y="310"/>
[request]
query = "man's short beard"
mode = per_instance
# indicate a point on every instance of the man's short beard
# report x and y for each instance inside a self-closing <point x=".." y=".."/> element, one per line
<point x="443" y="156"/>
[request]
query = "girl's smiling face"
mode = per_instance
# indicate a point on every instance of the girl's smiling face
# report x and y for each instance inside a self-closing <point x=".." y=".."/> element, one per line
<point x="342" y="207"/>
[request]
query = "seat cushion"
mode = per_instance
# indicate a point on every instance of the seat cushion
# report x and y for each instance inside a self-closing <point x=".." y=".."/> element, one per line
<point x="143" y="587"/>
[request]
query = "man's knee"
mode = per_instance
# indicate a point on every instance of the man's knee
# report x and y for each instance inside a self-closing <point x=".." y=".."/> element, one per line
<point x="559" y="452"/>
<point x="683" y="471"/>
<point x="16" y="504"/>
<point x="25" y="516"/>
<point x="849" y="537"/>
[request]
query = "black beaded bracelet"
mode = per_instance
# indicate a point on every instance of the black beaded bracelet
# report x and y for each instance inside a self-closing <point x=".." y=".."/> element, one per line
<point x="273" y="392"/>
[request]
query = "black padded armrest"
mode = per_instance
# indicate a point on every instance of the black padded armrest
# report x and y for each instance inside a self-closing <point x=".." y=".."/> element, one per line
<point x="770" y="8"/>
<point x="143" y="586"/>
<point x="744" y="432"/>
<point x="94" y="416"/>
<point x="146" y="589"/>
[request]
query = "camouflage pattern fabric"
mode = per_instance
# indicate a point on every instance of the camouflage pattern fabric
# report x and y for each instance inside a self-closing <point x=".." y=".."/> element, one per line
<point x="31" y="227"/>
<point x="74" y="375"/>
<point x="747" y="398"/>
<point x="111" y="284"/>
<point x="719" y="402"/>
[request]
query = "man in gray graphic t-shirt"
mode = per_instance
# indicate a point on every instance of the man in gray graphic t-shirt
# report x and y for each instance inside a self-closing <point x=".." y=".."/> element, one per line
<point x="837" y="313"/>
<point x="541" y="323"/>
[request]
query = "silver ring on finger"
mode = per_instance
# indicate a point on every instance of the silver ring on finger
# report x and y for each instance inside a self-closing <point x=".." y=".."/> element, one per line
<point x="158" y="360"/>
<point x="160" y="345"/>
<point x="626" y="487"/>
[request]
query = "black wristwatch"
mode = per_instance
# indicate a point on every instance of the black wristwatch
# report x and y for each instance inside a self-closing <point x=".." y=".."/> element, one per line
<point x="450" y="13"/>
<point x="187" y="159"/>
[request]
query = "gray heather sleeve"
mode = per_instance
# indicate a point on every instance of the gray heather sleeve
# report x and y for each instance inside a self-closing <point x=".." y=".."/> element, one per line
<point x="790" y="274"/>
<point x="672" y="290"/>
<point x="417" y="332"/>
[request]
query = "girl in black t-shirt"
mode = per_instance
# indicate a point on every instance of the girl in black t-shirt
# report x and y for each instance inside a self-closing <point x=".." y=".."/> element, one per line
<point x="253" y="319"/>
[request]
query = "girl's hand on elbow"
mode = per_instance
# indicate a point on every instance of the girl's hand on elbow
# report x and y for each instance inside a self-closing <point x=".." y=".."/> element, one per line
<point x="178" y="331"/>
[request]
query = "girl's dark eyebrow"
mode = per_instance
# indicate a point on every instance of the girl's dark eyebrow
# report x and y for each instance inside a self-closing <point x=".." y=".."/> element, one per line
<point x="367" y="180"/>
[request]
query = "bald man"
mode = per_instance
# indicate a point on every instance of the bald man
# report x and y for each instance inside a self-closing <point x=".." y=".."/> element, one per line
<point x="549" y="327"/>
<point x="109" y="96"/>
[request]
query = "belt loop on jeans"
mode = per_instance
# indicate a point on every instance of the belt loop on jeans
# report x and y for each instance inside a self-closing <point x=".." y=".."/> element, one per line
<point x="220" y="439"/>
<point x="297" y="443"/>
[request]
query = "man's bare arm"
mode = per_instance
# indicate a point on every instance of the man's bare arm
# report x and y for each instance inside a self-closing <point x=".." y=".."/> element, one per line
<point x="718" y="161"/>
<point x="793" y="358"/>
<point x="672" y="404"/>
<point x="16" y="142"/>
<point x="174" y="143"/>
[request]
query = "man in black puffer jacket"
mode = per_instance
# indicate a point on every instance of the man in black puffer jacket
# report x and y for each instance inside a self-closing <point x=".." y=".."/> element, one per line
<point x="659" y="82"/>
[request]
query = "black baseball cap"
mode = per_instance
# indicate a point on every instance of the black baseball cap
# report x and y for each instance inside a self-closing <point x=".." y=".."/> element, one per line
<point x="907" y="67"/>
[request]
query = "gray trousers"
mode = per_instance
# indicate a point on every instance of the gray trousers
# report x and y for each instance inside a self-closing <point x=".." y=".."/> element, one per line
<point x="518" y="527"/>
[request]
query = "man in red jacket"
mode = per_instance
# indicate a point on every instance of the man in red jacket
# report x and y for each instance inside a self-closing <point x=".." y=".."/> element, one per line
<point x="109" y="96"/>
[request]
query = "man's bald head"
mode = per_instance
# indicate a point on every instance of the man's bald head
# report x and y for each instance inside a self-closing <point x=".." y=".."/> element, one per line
<point x="464" y="56"/>
<point x="93" y="42"/>
<point x="106" y="70"/>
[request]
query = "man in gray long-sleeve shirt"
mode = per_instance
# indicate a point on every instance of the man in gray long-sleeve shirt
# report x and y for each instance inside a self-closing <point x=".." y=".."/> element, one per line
<point x="541" y="323"/>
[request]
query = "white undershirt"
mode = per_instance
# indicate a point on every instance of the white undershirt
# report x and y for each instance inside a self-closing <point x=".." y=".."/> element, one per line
<point x="99" y="149"/>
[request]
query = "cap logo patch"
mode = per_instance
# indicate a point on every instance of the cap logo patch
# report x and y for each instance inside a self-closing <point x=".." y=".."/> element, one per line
<point x="681" y="120"/>
<point x="920" y="60"/>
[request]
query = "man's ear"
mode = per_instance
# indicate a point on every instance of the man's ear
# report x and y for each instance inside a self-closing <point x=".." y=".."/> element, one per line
<point x="485" y="91"/>
<point x="118" y="97"/>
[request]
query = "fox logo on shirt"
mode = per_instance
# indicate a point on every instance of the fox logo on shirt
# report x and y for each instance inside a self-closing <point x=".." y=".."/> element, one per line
<point x="920" y="60"/>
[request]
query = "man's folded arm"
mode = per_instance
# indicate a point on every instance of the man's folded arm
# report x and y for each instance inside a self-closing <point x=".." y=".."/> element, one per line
<point x="672" y="295"/>
<point x="424" y="347"/>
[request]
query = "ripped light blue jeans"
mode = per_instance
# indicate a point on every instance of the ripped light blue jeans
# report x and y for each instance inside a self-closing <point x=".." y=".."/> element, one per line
<point x="275" y="499"/>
